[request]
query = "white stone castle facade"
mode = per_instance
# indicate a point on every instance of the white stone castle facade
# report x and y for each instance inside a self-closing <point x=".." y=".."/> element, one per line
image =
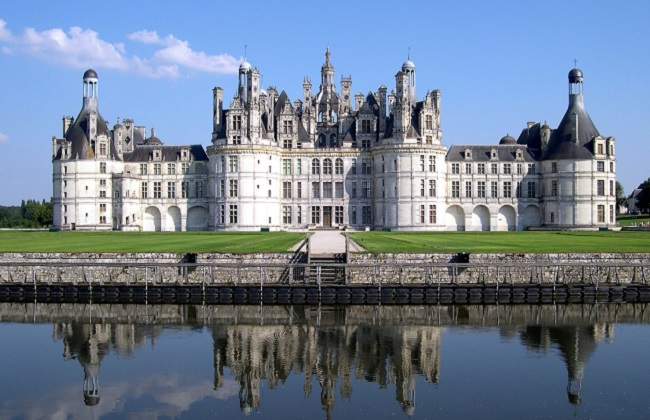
<point x="331" y="160"/>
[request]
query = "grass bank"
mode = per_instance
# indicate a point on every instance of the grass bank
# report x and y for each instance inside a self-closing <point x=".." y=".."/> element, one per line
<point x="633" y="219"/>
<point x="502" y="242"/>
<point x="181" y="242"/>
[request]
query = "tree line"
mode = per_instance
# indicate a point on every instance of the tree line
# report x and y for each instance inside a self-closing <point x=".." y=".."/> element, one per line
<point x="30" y="214"/>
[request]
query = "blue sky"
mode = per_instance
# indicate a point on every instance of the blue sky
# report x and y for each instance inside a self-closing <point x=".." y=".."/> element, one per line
<point x="498" y="64"/>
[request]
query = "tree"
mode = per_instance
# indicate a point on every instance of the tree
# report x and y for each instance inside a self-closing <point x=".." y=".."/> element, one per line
<point x="644" y="197"/>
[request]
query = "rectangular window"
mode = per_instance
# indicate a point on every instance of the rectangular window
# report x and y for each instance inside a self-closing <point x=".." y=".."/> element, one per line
<point x="315" y="190"/>
<point x="480" y="189"/>
<point x="286" y="189"/>
<point x="367" y="190"/>
<point x="612" y="191"/>
<point x="222" y="168"/>
<point x="494" y="168"/>
<point x="480" y="168"/>
<point x="428" y="122"/>
<point x="222" y="214"/>
<point x="185" y="168"/>
<point x="353" y="215"/>
<point x="422" y="163"/>
<point x="432" y="188"/>
<point x="468" y="189"/>
<point x="102" y="219"/>
<point x="353" y="169"/>
<point x="102" y="194"/>
<point x="600" y="166"/>
<point x="102" y="168"/>
<point x="157" y="189"/>
<point x="611" y="214"/>
<point x="554" y="188"/>
<point x="422" y="214"/>
<point x="299" y="167"/>
<point x="601" y="187"/>
<point x="494" y="189"/>
<point x="338" y="215"/>
<point x="366" y="166"/>
<point x="338" y="167"/>
<point x="601" y="149"/>
<point x="102" y="182"/>
<point x="299" y="215"/>
<point x="236" y="123"/>
<point x="287" y="127"/>
<point x="315" y="215"/>
<point x="432" y="214"/>
<point x="233" y="163"/>
<point x="102" y="148"/>
<point x="185" y="189"/>
<point x="144" y="190"/>
<point x="299" y="189"/>
<point x="157" y="169"/>
<point x="531" y="168"/>
<point x="327" y="167"/>
<point x="507" y="168"/>
<point x="171" y="169"/>
<point x="143" y="169"/>
<point x="468" y="168"/>
<point x="429" y="139"/>
<point x="519" y="169"/>
<point x="601" y="213"/>
<point x="365" y="126"/>
<point x="554" y="167"/>
<point x="232" y="215"/>
<point x="198" y="189"/>
<point x="432" y="163"/>
<point x="366" y="215"/>
<point x="102" y="208"/>
<point x="422" y="188"/>
<point x="286" y="166"/>
<point x="611" y="166"/>
<point x="338" y="190"/>
<point x="171" y="190"/>
<point x="518" y="190"/>
<point x="455" y="168"/>
<point x="365" y="143"/>
<point x="354" y="189"/>
<point x="222" y="188"/>
<point x="532" y="193"/>
<point x="327" y="190"/>
<point x="286" y="215"/>
<point x="507" y="189"/>
<point x="455" y="189"/>
<point x="233" y="188"/>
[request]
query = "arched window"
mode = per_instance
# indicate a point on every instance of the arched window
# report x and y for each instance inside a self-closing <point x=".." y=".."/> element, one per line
<point x="338" y="168"/>
<point x="327" y="167"/>
<point x="321" y="140"/>
<point x="315" y="167"/>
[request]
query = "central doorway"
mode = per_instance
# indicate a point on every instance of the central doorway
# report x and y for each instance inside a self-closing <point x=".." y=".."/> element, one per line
<point x="327" y="216"/>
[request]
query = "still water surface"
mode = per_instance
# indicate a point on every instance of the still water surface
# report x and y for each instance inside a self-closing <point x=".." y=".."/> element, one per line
<point x="130" y="361"/>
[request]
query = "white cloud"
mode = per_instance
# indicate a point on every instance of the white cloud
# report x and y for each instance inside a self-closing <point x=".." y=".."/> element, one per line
<point x="4" y="138"/>
<point x="82" y="48"/>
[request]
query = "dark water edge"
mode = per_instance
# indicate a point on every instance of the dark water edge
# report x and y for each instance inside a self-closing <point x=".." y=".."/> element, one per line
<point x="197" y="361"/>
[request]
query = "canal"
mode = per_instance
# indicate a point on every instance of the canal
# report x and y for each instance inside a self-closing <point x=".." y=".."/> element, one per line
<point x="114" y="360"/>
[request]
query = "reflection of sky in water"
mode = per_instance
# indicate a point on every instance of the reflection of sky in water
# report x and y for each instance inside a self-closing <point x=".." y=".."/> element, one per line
<point x="147" y="371"/>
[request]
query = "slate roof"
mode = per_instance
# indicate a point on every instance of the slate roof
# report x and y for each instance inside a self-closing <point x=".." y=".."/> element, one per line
<point x="169" y="153"/>
<point x="76" y="135"/>
<point x="563" y="143"/>
<point x="481" y="153"/>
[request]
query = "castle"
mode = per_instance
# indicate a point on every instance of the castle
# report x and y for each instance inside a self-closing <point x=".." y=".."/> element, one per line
<point x="331" y="160"/>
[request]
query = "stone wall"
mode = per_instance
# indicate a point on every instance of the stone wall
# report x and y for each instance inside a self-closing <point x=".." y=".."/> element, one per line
<point x="385" y="269"/>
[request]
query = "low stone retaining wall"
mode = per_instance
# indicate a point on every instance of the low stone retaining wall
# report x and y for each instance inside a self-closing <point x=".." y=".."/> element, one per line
<point x="361" y="269"/>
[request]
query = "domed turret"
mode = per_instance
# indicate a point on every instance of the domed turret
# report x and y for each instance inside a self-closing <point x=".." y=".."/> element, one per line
<point x="153" y="140"/>
<point x="90" y="74"/>
<point x="245" y="66"/>
<point x="575" y="75"/>
<point x="408" y="65"/>
<point x="508" y="139"/>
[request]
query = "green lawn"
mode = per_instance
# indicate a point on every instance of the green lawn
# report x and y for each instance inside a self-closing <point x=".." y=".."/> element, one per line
<point x="181" y="242"/>
<point x="497" y="242"/>
<point x="632" y="219"/>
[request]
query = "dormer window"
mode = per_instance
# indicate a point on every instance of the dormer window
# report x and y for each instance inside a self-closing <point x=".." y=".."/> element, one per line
<point x="185" y="154"/>
<point x="468" y="154"/>
<point x="157" y="154"/>
<point x="493" y="154"/>
<point x="519" y="154"/>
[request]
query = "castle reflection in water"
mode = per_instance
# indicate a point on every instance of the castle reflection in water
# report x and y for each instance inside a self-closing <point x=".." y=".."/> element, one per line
<point x="325" y="354"/>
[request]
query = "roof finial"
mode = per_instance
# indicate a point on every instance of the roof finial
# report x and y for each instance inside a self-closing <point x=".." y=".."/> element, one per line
<point x="575" y="63"/>
<point x="245" y="48"/>
<point x="408" y="55"/>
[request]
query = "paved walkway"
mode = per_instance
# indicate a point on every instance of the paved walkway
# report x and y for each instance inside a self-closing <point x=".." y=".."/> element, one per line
<point x="329" y="242"/>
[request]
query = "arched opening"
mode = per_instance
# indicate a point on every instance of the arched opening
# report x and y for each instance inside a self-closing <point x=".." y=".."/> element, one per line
<point x="481" y="218"/>
<point x="532" y="217"/>
<point x="173" y="219"/>
<point x="455" y="218"/>
<point x="197" y="218"/>
<point x="507" y="218"/>
<point x="151" y="220"/>
<point x="333" y="140"/>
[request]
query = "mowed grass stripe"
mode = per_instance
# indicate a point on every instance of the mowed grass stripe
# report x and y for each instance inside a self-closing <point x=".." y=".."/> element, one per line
<point x="500" y="242"/>
<point x="133" y="242"/>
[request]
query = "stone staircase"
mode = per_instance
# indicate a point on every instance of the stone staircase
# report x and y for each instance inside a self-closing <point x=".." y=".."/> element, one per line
<point x="329" y="274"/>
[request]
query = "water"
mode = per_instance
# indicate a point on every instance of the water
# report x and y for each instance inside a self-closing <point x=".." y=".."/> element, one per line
<point x="162" y="361"/>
